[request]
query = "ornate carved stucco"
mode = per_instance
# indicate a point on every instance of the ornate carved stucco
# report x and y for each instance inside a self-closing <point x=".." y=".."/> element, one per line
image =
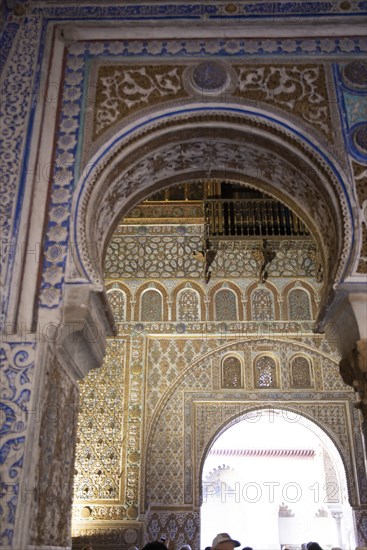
<point x="297" y="89"/>
<point x="26" y="60"/>
<point x="191" y="386"/>
<point x="122" y="90"/>
<point x="81" y="52"/>
<point x="17" y="376"/>
<point x="168" y="251"/>
<point x="241" y="161"/>
<point x="100" y="428"/>
<point x="19" y="86"/>
<point x="53" y="491"/>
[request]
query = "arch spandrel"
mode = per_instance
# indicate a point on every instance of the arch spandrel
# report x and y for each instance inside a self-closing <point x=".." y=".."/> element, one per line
<point x="197" y="144"/>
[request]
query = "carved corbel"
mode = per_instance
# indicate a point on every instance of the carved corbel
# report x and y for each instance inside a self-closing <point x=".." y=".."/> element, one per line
<point x="87" y="321"/>
<point x="353" y="370"/>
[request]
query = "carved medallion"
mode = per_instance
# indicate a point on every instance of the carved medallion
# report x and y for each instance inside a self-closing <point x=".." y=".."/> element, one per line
<point x="210" y="76"/>
<point x="355" y="74"/>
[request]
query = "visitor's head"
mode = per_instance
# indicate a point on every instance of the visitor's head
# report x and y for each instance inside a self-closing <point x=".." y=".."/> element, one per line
<point x="224" y="542"/>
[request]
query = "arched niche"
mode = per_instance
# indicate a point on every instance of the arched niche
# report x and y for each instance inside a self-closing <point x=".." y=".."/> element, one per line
<point x="195" y="143"/>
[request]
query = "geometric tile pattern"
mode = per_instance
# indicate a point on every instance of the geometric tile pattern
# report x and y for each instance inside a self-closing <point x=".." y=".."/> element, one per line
<point x="136" y="255"/>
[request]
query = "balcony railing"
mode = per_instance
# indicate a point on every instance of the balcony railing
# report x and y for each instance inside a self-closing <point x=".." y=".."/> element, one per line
<point x="251" y="217"/>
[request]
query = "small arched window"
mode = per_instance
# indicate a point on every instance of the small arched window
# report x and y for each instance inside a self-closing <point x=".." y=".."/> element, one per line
<point x="151" y="306"/>
<point x="299" y="305"/>
<point x="117" y="299"/>
<point x="231" y="372"/>
<point x="262" y="305"/>
<point x="265" y="374"/>
<point x="225" y="305"/>
<point x="301" y="372"/>
<point x="188" y="305"/>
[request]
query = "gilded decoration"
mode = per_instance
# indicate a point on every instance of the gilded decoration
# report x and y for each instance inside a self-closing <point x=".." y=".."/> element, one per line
<point x="180" y="349"/>
<point x="262" y="301"/>
<point x="188" y="306"/>
<point x="102" y="394"/>
<point x="151" y="302"/>
<point x="299" y="304"/>
<point x="225" y="305"/>
<point x="187" y="303"/>
<point x="119" y="296"/>
<point x="297" y="89"/>
<point x="304" y="305"/>
<point x="231" y="308"/>
<point x="121" y="90"/>
<point x="179" y="309"/>
<point x="262" y="305"/>
<point x="151" y="308"/>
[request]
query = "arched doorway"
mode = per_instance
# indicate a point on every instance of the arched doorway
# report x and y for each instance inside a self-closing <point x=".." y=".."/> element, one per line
<point x="196" y="143"/>
<point x="191" y="145"/>
<point x="72" y="296"/>
<point x="273" y="479"/>
<point x="117" y="179"/>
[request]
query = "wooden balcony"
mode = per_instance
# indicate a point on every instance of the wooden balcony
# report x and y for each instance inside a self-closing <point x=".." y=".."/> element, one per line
<point x="251" y="218"/>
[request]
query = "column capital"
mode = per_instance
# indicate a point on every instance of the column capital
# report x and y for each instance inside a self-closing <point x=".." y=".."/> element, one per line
<point x="86" y="322"/>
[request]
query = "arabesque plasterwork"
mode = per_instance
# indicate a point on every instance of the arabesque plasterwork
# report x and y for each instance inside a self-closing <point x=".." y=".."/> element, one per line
<point x="122" y="90"/>
<point x="26" y="57"/>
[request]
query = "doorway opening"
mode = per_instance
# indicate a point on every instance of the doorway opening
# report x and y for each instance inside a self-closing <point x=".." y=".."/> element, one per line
<point x="273" y="480"/>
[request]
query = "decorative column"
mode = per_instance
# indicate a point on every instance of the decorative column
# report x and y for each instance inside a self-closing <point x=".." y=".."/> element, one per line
<point x="353" y="369"/>
<point x="78" y="345"/>
<point x="337" y="515"/>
